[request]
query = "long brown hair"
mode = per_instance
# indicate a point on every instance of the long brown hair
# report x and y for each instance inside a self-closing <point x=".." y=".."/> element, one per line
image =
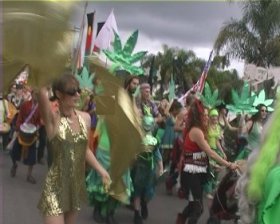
<point x="196" y="117"/>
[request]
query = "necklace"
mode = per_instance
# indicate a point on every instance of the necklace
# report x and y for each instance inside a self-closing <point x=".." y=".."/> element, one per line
<point x="69" y="121"/>
<point x="68" y="118"/>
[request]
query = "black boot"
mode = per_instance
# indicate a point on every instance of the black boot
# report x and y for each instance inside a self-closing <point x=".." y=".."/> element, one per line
<point x="193" y="220"/>
<point x="181" y="219"/>
<point x="137" y="217"/>
<point x="213" y="220"/>
<point x="111" y="219"/>
<point x="195" y="211"/>
<point x="144" y="209"/>
<point x="14" y="170"/>
<point x="97" y="215"/>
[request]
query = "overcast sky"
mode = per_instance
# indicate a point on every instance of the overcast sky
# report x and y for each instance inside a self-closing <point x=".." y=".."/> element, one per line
<point x="187" y="25"/>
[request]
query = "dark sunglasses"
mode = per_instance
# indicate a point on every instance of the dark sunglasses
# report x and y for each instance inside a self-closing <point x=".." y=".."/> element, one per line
<point x="264" y="111"/>
<point x="73" y="92"/>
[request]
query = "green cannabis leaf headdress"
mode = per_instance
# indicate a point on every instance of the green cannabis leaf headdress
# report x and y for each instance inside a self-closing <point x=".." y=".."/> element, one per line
<point x="243" y="102"/>
<point x="85" y="79"/>
<point x="123" y="58"/>
<point x="171" y="95"/>
<point x="260" y="99"/>
<point x="210" y="99"/>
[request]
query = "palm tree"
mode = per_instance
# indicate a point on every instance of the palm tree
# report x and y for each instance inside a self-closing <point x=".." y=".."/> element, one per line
<point x="182" y="69"/>
<point x="254" y="38"/>
<point x="184" y="65"/>
<point x="187" y="67"/>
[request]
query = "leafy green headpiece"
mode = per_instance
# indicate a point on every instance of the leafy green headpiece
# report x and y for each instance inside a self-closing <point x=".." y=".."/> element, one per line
<point x="122" y="58"/>
<point x="261" y="99"/>
<point x="210" y="99"/>
<point x="171" y="95"/>
<point x="85" y="79"/>
<point x="242" y="103"/>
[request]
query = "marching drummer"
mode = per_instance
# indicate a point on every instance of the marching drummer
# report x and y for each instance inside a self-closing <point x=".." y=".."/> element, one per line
<point x="27" y="124"/>
<point x="4" y="125"/>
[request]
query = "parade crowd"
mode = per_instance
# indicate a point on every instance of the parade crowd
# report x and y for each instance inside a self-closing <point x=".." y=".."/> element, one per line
<point x="198" y="151"/>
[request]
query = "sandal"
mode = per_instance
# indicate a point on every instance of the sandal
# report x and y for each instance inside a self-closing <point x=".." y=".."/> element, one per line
<point x="31" y="179"/>
<point x="13" y="170"/>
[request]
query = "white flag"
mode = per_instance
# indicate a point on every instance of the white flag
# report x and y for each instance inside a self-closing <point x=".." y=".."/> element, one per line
<point x="106" y="35"/>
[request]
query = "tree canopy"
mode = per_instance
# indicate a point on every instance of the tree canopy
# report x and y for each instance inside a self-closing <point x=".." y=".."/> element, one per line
<point x="255" y="38"/>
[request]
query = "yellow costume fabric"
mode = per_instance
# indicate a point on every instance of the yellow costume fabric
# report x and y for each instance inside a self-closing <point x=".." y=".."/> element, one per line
<point x="64" y="188"/>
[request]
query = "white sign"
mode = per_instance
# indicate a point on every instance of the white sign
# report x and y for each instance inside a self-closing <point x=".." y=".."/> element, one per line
<point x="255" y="75"/>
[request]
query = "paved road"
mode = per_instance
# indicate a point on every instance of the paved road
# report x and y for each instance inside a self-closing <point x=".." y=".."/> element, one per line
<point x="18" y="200"/>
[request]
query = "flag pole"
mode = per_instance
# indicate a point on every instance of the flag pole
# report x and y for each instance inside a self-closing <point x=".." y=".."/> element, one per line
<point x="79" y="43"/>
<point x="198" y="87"/>
<point x="106" y="60"/>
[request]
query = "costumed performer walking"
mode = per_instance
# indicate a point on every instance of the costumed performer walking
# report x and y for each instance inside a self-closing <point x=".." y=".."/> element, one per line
<point x="67" y="130"/>
<point x="196" y="152"/>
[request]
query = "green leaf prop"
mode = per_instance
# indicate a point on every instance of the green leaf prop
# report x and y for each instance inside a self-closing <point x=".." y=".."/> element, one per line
<point x="210" y="99"/>
<point x="242" y="103"/>
<point x="130" y="44"/>
<point x="117" y="43"/>
<point x="85" y="79"/>
<point x="261" y="99"/>
<point x="123" y="58"/>
<point x="171" y="94"/>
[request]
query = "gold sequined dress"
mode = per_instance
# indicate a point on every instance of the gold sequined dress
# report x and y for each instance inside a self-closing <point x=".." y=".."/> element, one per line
<point x="64" y="188"/>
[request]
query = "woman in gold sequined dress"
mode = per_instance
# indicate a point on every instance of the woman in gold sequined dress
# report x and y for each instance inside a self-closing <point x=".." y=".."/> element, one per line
<point x="67" y="131"/>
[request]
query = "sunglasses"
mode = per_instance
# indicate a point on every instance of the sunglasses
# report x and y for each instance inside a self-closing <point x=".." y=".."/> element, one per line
<point x="73" y="92"/>
<point x="264" y="111"/>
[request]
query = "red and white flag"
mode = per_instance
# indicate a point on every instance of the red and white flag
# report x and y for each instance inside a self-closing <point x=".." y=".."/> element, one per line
<point x="199" y="85"/>
<point x="106" y="35"/>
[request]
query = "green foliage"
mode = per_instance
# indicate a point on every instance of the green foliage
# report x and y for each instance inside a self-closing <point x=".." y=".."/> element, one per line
<point x="186" y="68"/>
<point x="255" y="37"/>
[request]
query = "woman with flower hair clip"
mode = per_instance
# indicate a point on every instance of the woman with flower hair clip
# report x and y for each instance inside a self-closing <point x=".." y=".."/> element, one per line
<point x="196" y="153"/>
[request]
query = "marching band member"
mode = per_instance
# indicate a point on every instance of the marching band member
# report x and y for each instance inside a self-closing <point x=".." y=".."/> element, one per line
<point x="24" y="147"/>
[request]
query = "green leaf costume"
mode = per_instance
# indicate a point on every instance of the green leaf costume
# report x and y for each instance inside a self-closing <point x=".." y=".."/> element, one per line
<point x="122" y="58"/>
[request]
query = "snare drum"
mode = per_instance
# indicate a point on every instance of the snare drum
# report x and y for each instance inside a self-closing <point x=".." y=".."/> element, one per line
<point x="27" y="134"/>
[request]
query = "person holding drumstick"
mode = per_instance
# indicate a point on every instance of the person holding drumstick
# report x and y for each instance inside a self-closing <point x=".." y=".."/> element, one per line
<point x="68" y="133"/>
<point x="24" y="147"/>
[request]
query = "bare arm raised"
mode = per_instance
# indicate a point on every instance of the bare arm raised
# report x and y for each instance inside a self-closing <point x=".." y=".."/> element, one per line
<point x="48" y="116"/>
